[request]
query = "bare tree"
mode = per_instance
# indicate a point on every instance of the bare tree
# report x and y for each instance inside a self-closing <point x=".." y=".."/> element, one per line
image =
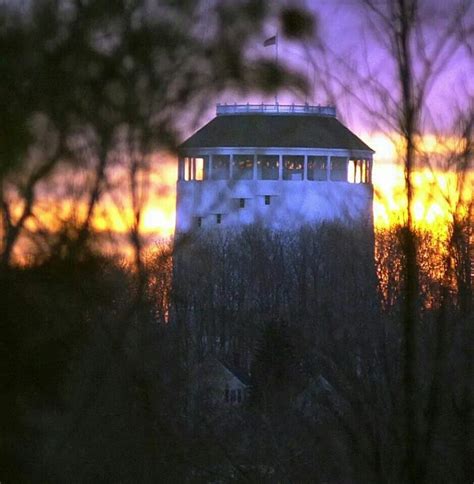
<point x="92" y="75"/>
<point x="419" y="40"/>
<point x="89" y="89"/>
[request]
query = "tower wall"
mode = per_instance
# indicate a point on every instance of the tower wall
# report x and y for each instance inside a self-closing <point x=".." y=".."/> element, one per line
<point x="278" y="204"/>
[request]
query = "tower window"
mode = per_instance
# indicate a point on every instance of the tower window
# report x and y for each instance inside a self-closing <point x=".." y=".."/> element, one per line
<point x="199" y="221"/>
<point x="241" y="202"/>
<point x="338" y="168"/>
<point x="360" y="171"/>
<point x="220" y="167"/>
<point x="242" y="168"/>
<point x="317" y="168"/>
<point x="293" y="167"/>
<point x="195" y="168"/>
<point x="218" y="218"/>
<point x="267" y="199"/>
<point x="201" y="168"/>
<point x="267" y="167"/>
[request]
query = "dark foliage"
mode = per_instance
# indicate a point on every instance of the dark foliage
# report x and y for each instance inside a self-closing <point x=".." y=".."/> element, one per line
<point x="325" y="403"/>
<point x="98" y="387"/>
<point x="276" y="369"/>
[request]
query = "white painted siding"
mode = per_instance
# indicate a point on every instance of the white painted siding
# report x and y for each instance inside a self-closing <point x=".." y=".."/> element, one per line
<point x="292" y="203"/>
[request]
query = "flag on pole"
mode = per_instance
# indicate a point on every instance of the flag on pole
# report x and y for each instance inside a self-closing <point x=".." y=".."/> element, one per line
<point x="270" y="41"/>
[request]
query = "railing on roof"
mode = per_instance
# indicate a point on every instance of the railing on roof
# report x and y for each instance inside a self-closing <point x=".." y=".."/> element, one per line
<point x="275" y="109"/>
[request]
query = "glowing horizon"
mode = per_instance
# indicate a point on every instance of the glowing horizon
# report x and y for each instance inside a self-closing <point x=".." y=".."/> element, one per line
<point x="436" y="193"/>
<point x="437" y="197"/>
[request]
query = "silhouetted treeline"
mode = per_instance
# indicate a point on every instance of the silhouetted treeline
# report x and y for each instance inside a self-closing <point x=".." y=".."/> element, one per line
<point x="326" y="401"/>
<point x="226" y="282"/>
<point x="95" y="391"/>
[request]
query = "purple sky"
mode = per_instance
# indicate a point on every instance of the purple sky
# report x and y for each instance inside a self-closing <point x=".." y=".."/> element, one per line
<point x="347" y="32"/>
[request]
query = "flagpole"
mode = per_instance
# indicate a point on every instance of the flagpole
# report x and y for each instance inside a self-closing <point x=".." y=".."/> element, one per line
<point x="273" y="41"/>
<point x="276" y="63"/>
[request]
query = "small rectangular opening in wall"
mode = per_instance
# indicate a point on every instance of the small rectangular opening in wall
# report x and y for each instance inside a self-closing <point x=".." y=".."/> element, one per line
<point x="218" y="218"/>
<point x="241" y="202"/>
<point x="267" y="199"/>
<point x="199" y="221"/>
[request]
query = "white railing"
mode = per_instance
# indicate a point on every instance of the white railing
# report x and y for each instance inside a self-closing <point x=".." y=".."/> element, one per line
<point x="275" y="109"/>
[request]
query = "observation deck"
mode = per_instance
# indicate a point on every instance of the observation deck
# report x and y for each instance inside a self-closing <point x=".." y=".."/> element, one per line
<point x="275" y="109"/>
<point x="282" y="165"/>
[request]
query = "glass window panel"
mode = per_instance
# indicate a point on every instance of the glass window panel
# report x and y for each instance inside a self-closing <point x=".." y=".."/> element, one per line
<point x="369" y="171"/>
<point x="317" y="168"/>
<point x="220" y="167"/>
<point x="242" y="167"/>
<point x="293" y="167"/>
<point x="267" y="167"/>
<point x="352" y="172"/>
<point x="360" y="171"/>
<point x="181" y="170"/>
<point x="338" y="168"/>
<point x="187" y="168"/>
<point x="201" y="167"/>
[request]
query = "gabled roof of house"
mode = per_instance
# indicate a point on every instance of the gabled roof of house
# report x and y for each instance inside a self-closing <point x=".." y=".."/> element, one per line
<point x="279" y="131"/>
<point x="243" y="376"/>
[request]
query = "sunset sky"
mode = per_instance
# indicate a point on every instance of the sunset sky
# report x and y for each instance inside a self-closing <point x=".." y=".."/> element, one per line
<point x="349" y="40"/>
<point x="431" y="206"/>
<point x="345" y="29"/>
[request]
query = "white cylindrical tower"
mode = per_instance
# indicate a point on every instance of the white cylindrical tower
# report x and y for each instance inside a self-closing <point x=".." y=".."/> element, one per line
<point x="280" y="165"/>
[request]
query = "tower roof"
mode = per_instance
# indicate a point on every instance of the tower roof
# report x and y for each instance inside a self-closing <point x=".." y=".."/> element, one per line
<point x="279" y="127"/>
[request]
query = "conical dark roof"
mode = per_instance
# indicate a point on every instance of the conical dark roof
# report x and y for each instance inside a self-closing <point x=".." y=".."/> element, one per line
<point x="278" y="130"/>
